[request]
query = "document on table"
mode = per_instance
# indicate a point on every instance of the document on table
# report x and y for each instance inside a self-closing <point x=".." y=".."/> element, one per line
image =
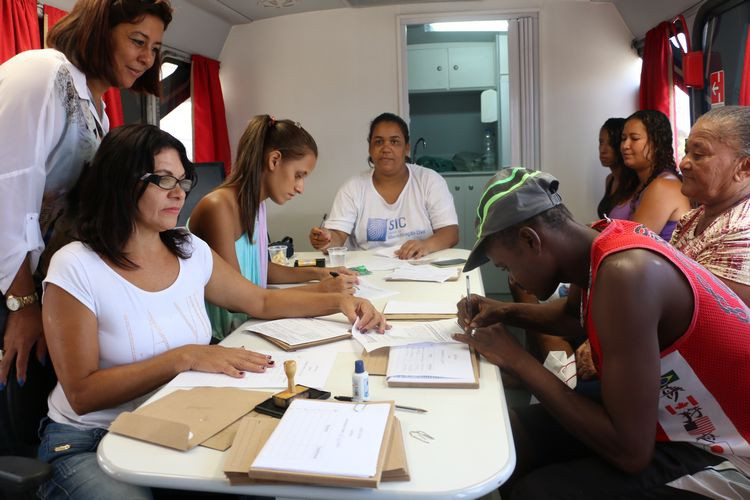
<point x="413" y="332"/>
<point x="430" y="363"/>
<point x="367" y="290"/>
<point x="423" y="273"/>
<point x="404" y="307"/>
<point x="296" y="331"/>
<point x="327" y="438"/>
<point x="390" y="252"/>
<point x="313" y="370"/>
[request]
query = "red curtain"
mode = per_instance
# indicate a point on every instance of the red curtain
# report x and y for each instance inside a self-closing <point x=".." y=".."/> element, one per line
<point x="656" y="73"/>
<point x="113" y="100"/>
<point x="211" y="140"/>
<point x="111" y="97"/>
<point x="51" y="16"/>
<point x="745" y="86"/>
<point x="19" y="27"/>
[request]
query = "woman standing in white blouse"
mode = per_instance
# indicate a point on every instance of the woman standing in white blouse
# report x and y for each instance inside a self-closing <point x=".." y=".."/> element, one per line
<point x="394" y="204"/>
<point x="52" y="119"/>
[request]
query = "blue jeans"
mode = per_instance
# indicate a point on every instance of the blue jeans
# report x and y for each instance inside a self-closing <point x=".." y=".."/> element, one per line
<point x="75" y="472"/>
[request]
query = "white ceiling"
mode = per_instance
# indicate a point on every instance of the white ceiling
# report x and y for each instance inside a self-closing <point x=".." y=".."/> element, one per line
<point x="245" y="11"/>
<point x="642" y="15"/>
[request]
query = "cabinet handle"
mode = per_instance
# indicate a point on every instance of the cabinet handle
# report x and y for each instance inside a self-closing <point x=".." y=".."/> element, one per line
<point x="457" y="188"/>
<point x="455" y="67"/>
<point x="471" y="188"/>
<point x="440" y="68"/>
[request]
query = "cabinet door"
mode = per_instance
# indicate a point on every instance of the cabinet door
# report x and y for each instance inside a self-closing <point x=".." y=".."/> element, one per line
<point x="428" y="69"/>
<point x="472" y="67"/>
<point x="456" y="186"/>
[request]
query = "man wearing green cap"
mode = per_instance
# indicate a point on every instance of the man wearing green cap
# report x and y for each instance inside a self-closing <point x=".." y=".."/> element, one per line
<point x="670" y="341"/>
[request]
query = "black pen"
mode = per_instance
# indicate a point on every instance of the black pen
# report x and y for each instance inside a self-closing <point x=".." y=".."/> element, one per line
<point x="398" y="407"/>
<point x="334" y="274"/>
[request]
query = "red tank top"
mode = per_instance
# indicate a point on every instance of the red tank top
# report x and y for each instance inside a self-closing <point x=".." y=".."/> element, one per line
<point x="704" y="397"/>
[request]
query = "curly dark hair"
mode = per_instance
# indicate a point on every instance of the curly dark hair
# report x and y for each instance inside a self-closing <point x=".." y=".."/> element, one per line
<point x="660" y="150"/>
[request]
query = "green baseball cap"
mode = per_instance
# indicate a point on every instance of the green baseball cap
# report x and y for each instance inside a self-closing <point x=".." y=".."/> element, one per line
<point x="511" y="196"/>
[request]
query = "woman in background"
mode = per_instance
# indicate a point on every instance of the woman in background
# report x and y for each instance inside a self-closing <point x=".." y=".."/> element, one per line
<point x="123" y="305"/>
<point x="393" y="204"/>
<point x="52" y="119"/>
<point x="622" y="182"/>
<point x="647" y="149"/>
<point x="273" y="159"/>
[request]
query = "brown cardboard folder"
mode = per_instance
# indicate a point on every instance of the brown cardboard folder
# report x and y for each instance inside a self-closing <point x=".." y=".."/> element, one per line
<point x="187" y="418"/>
<point x="376" y="363"/>
<point x="288" y="347"/>
<point x="253" y="434"/>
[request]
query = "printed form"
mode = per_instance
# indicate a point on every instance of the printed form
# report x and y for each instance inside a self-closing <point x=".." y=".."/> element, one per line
<point x="428" y="363"/>
<point x="413" y="332"/>
<point x="318" y="437"/>
<point x="295" y="331"/>
<point x="312" y="370"/>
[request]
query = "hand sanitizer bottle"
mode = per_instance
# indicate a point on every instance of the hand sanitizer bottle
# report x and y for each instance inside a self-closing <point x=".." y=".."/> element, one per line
<point x="360" y="382"/>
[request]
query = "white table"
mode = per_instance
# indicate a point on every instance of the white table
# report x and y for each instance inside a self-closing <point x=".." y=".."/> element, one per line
<point x="472" y="452"/>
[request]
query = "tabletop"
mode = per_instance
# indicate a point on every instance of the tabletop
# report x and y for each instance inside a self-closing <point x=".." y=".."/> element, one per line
<point x="470" y="452"/>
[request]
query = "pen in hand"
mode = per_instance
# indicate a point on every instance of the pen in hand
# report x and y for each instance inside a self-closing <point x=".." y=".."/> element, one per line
<point x="323" y="221"/>
<point x="398" y="407"/>
<point x="469" y="305"/>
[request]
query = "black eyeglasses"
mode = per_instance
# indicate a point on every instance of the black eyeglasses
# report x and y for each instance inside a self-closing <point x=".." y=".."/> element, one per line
<point x="169" y="182"/>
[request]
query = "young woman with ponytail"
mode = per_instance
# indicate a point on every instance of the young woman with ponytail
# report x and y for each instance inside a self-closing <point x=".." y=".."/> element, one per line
<point x="273" y="159"/>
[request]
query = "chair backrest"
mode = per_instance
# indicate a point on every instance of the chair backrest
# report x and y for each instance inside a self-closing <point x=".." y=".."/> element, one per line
<point x="209" y="176"/>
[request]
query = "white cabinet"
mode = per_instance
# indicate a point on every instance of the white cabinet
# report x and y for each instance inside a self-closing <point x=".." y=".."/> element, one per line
<point x="428" y="69"/>
<point x="451" y="66"/>
<point x="466" y="190"/>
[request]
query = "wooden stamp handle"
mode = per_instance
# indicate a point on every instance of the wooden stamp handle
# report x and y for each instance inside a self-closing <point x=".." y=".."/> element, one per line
<point x="290" y="368"/>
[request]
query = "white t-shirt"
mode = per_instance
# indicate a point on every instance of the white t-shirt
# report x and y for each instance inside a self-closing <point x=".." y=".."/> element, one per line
<point x="134" y="325"/>
<point x="424" y="205"/>
<point x="49" y="128"/>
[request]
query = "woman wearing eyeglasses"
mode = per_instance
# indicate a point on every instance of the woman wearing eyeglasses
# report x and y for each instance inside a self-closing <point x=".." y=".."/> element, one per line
<point x="123" y="305"/>
<point x="52" y="119"/>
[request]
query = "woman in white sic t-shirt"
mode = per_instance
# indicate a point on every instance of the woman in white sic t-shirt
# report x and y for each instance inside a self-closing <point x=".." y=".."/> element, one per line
<point x="123" y="306"/>
<point x="393" y="204"/>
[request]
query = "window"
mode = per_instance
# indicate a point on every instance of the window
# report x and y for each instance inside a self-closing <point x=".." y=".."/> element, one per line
<point x="723" y="29"/>
<point x="175" y="107"/>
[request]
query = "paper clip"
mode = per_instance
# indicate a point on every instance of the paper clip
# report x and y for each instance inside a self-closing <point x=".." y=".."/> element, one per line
<point x="359" y="407"/>
<point x="421" y="436"/>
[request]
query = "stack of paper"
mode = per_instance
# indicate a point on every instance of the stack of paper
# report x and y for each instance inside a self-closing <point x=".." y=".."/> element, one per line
<point x="319" y="437"/>
<point x="409" y="333"/>
<point x="423" y="273"/>
<point x="313" y="369"/>
<point x="293" y="333"/>
<point x="430" y="363"/>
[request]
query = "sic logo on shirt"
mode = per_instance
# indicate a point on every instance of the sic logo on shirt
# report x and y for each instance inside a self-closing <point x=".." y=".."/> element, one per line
<point x="377" y="229"/>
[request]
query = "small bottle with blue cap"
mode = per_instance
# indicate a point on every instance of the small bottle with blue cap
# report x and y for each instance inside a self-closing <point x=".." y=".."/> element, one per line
<point x="360" y="382"/>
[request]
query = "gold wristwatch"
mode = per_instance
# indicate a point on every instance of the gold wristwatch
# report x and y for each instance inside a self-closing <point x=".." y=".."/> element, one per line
<point x="14" y="303"/>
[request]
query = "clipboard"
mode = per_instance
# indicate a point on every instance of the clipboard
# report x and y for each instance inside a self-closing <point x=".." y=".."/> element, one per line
<point x="291" y="348"/>
<point x="254" y="433"/>
<point x="376" y="363"/>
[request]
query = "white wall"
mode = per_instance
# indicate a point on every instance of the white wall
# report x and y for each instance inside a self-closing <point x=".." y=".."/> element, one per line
<point x="337" y="69"/>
